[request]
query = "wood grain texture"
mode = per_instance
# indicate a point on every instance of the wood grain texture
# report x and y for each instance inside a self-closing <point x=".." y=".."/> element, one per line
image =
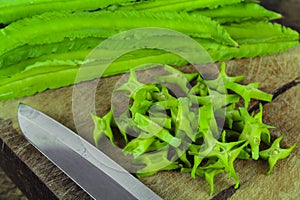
<point x="271" y="71"/>
<point x="9" y="190"/>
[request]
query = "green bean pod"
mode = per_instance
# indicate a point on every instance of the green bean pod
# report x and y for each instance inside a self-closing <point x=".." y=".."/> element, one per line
<point x="56" y="26"/>
<point x="11" y="11"/>
<point x="178" y="5"/>
<point x="238" y="13"/>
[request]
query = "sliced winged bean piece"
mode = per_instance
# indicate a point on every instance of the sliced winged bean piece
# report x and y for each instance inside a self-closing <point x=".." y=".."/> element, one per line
<point x="265" y="135"/>
<point x="244" y="155"/>
<point x="155" y="162"/>
<point x="207" y="121"/>
<point x="209" y="170"/>
<point x="197" y="159"/>
<point x="200" y="89"/>
<point x="209" y="177"/>
<point x="216" y="149"/>
<point x="175" y="78"/>
<point x="165" y="122"/>
<point x="168" y="104"/>
<point x="232" y="155"/>
<point x="153" y="129"/>
<point x="191" y="76"/>
<point x="183" y="157"/>
<point x="212" y="163"/>
<point x="103" y="127"/>
<point x="186" y="120"/>
<point x="138" y="146"/>
<point x="252" y="131"/>
<point x="140" y="107"/>
<point x="222" y="152"/>
<point x="157" y="146"/>
<point x="249" y="92"/>
<point x="142" y="99"/>
<point x="275" y="153"/>
<point x="216" y="99"/>
<point x="219" y="84"/>
<point x="231" y="117"/>
<point x="126" y="125"/>
<point x="163" y="95"/>
<point x="131" y="85"/>
<point x="223" y="136"/>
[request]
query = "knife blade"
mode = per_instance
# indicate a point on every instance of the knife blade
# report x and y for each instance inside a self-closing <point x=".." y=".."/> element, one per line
<point x="87" y="166"/>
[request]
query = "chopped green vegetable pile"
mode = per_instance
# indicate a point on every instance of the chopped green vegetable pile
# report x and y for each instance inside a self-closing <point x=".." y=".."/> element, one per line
<point x="44" y="42"/>
<point x="181" y="121"/>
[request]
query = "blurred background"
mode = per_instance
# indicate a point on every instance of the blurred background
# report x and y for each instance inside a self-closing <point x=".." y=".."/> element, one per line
<point x="288" y="8"/>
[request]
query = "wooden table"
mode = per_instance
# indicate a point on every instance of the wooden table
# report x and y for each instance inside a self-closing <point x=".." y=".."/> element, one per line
<point x="38" y="178"/>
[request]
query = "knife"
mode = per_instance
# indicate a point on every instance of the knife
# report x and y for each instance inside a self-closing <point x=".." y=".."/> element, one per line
<point x="87" y="166"/>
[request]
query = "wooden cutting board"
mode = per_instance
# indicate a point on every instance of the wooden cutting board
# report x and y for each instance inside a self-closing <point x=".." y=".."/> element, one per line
<point x="39" y="179"/>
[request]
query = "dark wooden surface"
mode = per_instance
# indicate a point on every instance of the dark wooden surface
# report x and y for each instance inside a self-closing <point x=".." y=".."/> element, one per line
<point x="9" y="190"/>
<point x="38" y="178"/>
<point x="288" y="8"/>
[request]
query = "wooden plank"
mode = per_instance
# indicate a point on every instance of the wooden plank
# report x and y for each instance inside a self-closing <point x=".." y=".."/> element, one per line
<point x="272" y="71"/>
<point x="9" y="190"/>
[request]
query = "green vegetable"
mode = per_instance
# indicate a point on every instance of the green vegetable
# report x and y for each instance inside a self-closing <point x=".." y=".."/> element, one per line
<point x="186" y="122"/>
<point x="56" y="43"/>
<point x="221" y="52"/>
<point x="45" y="52"/>
<point x="9" y="84"/>
<point x="12" y="10"/>
<point x="174" y="77"/>
<point x="274" y="153"/>
<point x="103" y="24"/>
<point x="83" y="47"/>
<point x="178" y="5"/>
<point x="153" y="129"/>
<point x="142" y="99"/>
<point x="58" y="73"/>
<point x="186" y="132"/>
<point x="216" y="51"/>
<point x="246" y="33"/>
<point x="103" y="127"/>
<point x="248" y="92"/>
<point x="253" y="130"/>
<point x="155" y="162"/>
<point x="138" y="146"/>
<point x="35" y="79"/>
<point x="238" y="13"/>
